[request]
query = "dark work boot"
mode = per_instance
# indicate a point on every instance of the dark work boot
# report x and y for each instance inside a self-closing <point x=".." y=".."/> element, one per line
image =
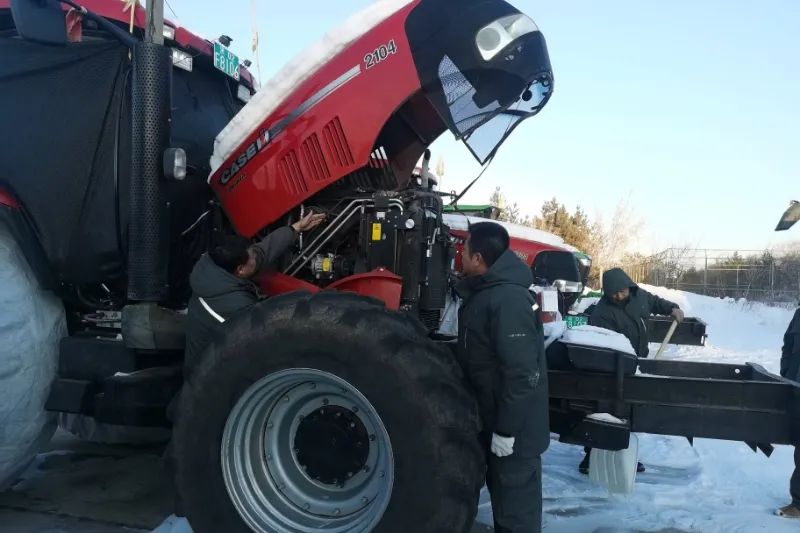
<point x="790" y="511"/>
<point x="583" y="468"/>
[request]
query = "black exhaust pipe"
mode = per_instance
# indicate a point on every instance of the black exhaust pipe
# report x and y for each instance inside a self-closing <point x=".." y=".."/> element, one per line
<point x="148" y="233"/>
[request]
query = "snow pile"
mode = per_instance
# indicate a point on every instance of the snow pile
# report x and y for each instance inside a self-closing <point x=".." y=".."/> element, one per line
<point x="174" y="524"/>
<point x="713" y="487"/>
<point x="553" y="331"/>
<point x="738" y="331"/>
<point x="584" y="303"/>
<point x="600" y="338"/>
<point x="461" y="222"/>
<point x="294" y="73"/>
<point x="31" y="324"/>
<point x="605" y="417"/>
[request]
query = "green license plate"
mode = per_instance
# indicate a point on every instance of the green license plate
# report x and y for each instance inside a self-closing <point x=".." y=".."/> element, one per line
<point x="573" y="321"/>
<point x="226" y="61"/>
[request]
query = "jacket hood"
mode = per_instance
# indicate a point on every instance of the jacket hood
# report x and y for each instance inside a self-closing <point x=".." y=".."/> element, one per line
<point x="615" y="280"/>
<point x="507" y="270"/>
<point x="208" y="280"/>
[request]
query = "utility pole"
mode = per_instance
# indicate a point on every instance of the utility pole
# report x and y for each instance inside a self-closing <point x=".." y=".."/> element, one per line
<point x="154" y="31"/>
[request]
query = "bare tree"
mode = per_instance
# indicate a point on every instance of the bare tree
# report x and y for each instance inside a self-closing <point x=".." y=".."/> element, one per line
<point x="614" y="238"/>
<point x="508" y="212"/>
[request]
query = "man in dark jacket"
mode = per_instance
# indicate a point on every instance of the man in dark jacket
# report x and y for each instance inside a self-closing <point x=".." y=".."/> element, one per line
<point x="222" y="286"/>
<point x="790" y="369"/>
<point x="626" y="308"/>
<point x="222" y="283"/>
<point x="502" y="350"/>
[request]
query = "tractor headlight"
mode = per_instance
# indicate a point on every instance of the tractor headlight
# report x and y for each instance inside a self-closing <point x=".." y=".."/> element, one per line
<point x="175" y="163"/>
<point x="492" y="39"/>
<point x="243" y="93"/>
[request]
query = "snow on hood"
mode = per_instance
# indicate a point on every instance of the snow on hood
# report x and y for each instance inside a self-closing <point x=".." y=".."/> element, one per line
<point x="294" y="73"/>
<point x="461" y="223"/>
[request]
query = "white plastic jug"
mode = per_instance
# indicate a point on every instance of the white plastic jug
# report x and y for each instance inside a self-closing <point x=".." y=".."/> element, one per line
<point x="615" y="470"/>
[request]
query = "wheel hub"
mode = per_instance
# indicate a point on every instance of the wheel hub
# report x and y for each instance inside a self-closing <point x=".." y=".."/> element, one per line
<point x="331" y="445"/>
<point x="305" y="449"/>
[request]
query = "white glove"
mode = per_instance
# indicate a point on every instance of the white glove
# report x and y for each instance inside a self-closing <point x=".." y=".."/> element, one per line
<point x="502" y="446"/>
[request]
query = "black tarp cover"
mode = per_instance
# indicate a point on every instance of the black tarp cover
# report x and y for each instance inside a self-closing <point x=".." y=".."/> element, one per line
<point x="65" y="115"/>
<point x="60" y="110"/>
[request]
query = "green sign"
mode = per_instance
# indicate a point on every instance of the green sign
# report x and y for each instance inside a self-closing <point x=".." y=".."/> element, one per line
<point x="573" y="321"/>
<point x="226" y="61"/>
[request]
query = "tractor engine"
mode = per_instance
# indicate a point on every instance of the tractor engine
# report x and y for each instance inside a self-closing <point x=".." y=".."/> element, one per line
<point x="365" y="230"/>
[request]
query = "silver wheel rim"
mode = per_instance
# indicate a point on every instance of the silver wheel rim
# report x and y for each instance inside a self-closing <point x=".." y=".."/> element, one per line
<point x="304" y="450"/>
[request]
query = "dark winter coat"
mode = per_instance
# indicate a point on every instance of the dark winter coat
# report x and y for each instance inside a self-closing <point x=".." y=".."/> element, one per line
<point x="790" y="360"/>
<point x="629" y="318"/>
<point x="224" y="294"/>
<point x="501" y="346"/>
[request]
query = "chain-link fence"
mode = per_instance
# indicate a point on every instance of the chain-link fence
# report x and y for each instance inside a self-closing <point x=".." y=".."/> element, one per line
<point x="759" y="275"/>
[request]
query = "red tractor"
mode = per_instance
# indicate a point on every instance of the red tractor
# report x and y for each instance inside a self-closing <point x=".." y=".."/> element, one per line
<point x="553" y="262"/>
<point x="332" y="405"/>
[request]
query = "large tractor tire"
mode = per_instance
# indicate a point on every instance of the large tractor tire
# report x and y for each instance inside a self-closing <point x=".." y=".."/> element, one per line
<point x="31" y="324"/>
<point x="329" y="413"/>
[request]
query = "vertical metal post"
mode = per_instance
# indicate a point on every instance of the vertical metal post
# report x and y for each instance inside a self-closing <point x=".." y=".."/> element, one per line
<point x="154" y="31"/>
<point x="148" y="241"/>
<point x="737" y="281"/>
<point x="705" y="273"/>
<point x="772" y="279"/>
<point x="619" y="403"/>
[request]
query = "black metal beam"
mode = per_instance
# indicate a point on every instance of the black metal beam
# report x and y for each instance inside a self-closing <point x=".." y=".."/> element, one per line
<point x="685" y="399"/>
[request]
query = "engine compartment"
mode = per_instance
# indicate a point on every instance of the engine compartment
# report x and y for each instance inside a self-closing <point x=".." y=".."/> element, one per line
<point x="371" y="229"/>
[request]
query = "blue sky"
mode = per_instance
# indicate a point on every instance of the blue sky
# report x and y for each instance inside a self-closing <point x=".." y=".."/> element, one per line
<point x="691" y="108"/>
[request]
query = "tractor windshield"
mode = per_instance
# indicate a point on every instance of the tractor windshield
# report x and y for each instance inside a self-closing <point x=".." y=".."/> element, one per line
<point x="484" y="125"/>
<point x="485" y="139"/>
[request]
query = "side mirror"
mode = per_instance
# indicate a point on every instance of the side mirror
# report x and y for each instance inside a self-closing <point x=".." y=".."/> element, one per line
<point x="552" y="265"/>
<point x="43" y="21"/>
<point x="789" y="218"/>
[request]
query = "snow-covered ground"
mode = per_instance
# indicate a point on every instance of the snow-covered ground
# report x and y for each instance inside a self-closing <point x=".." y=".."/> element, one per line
<point x="715" y="486"/>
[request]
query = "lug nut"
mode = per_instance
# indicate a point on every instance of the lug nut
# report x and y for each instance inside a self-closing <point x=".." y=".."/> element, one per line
<point x="365" y="500"/>
<point x="366" y="468"/>
<point x="306" y="507"/>
<point x="382" y="474"/>
<point x="355" y="409"/>
<point x="270" y="425"/>
<point x="269" y="457"/>
<point x="352" y="424"/>
<point x="372" y="437"/>
<point x="337" y="512"/>
<point x="286" y="399"/>
<point x="313" y="385"/>
<point x="325" y="401"/>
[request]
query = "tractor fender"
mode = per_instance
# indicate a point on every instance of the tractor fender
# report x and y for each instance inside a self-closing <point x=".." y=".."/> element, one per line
<point x="379" y="284"/>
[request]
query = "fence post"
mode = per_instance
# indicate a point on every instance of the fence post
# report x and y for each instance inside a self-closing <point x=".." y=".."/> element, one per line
<point x="772" y="280"/>
<point x="705" y="274"/>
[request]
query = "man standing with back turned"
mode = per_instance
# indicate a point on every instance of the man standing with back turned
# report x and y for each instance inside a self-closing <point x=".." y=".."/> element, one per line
<point x="501" y="347"/>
